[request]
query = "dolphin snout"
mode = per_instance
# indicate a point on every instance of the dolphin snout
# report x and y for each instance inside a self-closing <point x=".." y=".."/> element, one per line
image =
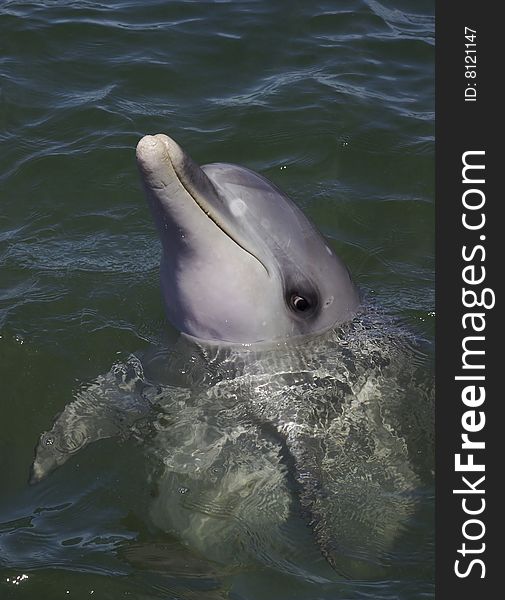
<point x="151" y="151"/>
<point x="156" y="156"/>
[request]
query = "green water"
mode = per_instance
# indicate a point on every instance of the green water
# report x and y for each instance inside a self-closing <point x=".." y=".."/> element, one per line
<point x="332" y="100"/>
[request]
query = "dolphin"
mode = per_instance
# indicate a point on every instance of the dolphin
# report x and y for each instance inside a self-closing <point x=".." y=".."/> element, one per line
<point x="265" y="408"/>
<point x="241" y="262"/>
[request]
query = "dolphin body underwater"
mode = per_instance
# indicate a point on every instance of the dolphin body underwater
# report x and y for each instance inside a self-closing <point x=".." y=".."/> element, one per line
<point x="282" y="401"/>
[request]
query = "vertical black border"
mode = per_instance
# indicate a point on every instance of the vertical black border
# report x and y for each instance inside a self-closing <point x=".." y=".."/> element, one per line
<point x="466" y="126"/>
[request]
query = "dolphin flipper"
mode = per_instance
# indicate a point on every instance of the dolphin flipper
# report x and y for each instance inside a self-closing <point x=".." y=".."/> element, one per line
<point x="357" y="497"/>
<point x="359" y="483"/>
<point x="108" y="407"/>
<point x="357" y="424"/>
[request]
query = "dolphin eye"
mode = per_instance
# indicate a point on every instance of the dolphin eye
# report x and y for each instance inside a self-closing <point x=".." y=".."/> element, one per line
<point x="299" y="303"/>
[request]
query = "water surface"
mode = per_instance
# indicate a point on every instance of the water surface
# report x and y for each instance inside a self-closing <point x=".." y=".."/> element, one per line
<point x="333" y="101"/>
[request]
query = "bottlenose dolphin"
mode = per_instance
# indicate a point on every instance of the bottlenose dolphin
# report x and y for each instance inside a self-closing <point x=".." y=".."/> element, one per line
<point x="241" y="262"/>
<point x="250" y="420"/>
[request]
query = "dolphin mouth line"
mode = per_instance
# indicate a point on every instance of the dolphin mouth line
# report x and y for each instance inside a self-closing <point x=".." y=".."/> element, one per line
<point x="206" y="210"/>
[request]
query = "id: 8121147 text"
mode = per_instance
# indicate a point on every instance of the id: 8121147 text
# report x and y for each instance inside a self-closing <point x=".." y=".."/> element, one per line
<point x="470" y="64"/>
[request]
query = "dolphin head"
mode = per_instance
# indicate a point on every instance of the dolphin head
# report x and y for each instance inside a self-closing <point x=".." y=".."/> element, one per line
<point x="241" y="263"/>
